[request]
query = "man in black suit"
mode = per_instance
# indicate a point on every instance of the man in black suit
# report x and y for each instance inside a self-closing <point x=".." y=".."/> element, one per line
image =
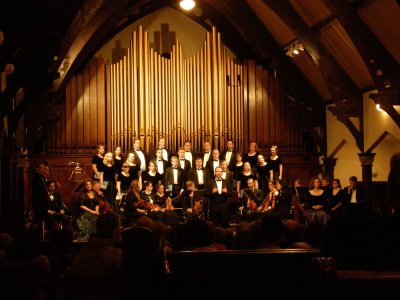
<point x="214" y="162"/>
<point x="198" y="174"/>
<point x="230" y="155"/>
<point x="189" y="154"/>
<point x="161" y="146"/>
<point x="174" y="179"/>
<point x="356" y="198"/>
<point x="207" y="153"/>
<point x="39" y="193"/>
<point x="217" y="192"/>
<point x="160" y="162"/>
<point x="140" y="157"/>
<point x="184" y="164"/>
<point x="227" y="175"/>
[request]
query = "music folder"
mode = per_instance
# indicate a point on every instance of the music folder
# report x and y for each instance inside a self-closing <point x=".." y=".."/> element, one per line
<point x="249" y="194"/>
<point x="198" y="195"/>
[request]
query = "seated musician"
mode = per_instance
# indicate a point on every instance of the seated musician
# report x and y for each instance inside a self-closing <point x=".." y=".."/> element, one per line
<point x="132" y="211"/>
<point x="89" y="211"/>
<point x="57" y="212"/>
<point x="251" y="200"/>
<point x="163" y="200"/>
<point x="154" y="210"/>
<point x="191" y="207"/>
<point x="104" y="206"/>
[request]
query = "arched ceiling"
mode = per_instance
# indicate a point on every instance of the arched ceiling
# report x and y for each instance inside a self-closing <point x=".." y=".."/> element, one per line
<point x="351" y="46"/>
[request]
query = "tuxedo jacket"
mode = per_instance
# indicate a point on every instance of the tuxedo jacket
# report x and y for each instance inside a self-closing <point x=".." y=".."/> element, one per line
<point x="210" y="185"/>
<point x="204" y="159"/>
<point x="169" y="177"/>
<point x="165" y="164"/>
<point x="185" y="169"/>
<point x="210" y="167"/>
<point x="232" y="162"/>
<point x="229" y="181"/>
<point x="193" y="159"/>
<point x="193" y="175"/>
<point x="360" y="194"/>
<point x="153" y="154"/>
<point x="137" y="158"/>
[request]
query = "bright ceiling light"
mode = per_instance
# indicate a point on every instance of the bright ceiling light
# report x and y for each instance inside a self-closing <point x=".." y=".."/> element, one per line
<point x="187" y="4"/>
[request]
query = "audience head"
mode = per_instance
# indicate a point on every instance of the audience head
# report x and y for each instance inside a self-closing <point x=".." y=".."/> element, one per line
<point x="336" y="183"/>
<point x="197" y="233"/>
<point x="325" y="181"/>
<point x="107" y="226"/>
<point x="353" y="181"/>
<point x="272" y="228"/>
<point x="315" y="183"/>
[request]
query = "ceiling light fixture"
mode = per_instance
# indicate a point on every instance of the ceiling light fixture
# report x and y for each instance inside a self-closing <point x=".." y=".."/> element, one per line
<point x="187" y="4"/>
<point x="294" y="49"/>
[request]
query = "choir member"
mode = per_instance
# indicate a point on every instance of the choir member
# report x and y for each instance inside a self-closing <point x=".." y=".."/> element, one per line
<point x="230" y="155"/>
<point x="275" y="164"/>
<point x="97" y="160"/>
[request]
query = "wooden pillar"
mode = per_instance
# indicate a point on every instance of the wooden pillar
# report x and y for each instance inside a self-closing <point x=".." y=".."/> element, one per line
<point x="366" y="160"/>
<point x="329" y="167"/>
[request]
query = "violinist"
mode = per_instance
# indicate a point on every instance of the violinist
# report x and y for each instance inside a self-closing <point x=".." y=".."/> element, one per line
<point x="269" y="202"/>
<point x="251" y="200"/>
<point x="148" y="202"/>
<point x="132" y="211"/>
<point x="162" y="199"/>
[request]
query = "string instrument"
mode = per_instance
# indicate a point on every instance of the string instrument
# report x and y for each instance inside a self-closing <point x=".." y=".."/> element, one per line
<point x="298" y="208"/>
<point x="251" y="203"/>
<point x="269" y="202"/>
<point x="104" y="206"/>
<point x="146" y="204"/>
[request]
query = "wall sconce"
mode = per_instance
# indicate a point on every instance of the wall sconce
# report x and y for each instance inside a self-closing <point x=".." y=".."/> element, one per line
<point x="229" y="83"/>
<point x="294" y="49"/>
<point x="187" y="4"/>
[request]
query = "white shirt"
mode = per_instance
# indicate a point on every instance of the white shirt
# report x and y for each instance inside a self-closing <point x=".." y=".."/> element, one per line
<point x="223" y="175"/>
<point x="142" y="160"/>
<point x="188" y="156"/>
<point x="215" y="164"/>
<point x="228" y="157"/>
<point x="182" y="163"/>
<point x="219" y="185"/>
<point x="160" y="166"/>
<point x="206" y="158"/>
<point x="353" y="196"/>
<point x="175" y="172"/>
<point x="164" y="154"/>
<point x="200" y="176"/>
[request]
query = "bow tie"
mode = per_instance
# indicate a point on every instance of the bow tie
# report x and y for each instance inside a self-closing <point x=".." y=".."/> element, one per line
<point x="182" y="159"/>
<point x="159" y="160"/>
<point x="207" y="152"/>
<point x="215" y="159"/>
<point x="199" y="169"/>
<point x="187" y="151"/>
<point x="229" y="151"/>
<point x="219" y="179"/>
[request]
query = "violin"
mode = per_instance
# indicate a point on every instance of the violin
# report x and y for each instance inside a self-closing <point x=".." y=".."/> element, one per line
<point x="168" y="205"/>
<point x="269" y="202"/>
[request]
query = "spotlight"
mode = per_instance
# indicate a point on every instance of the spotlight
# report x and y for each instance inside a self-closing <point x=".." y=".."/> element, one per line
<point x="187" y="4"/>
<point x="294" y="49"/>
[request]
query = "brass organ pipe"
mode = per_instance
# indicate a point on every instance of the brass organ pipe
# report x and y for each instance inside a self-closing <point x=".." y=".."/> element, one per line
<point x="135" y="113"/>
<point x="147" y="101"/>
<point x="125" y="102"/>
